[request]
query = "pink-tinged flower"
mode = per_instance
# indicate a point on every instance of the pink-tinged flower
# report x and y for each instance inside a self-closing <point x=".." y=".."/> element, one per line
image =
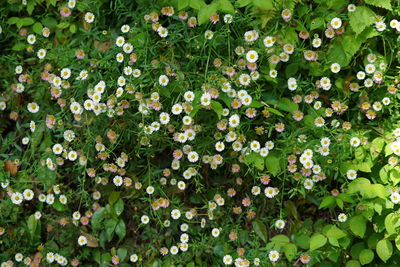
<point x="233" y="236"/>
<point x="115" y="259"/>
<point x="63" y="221"/>
<point x="65" y="11"/>
<point x="304" y="35"/>
<point x="239" y="181"/>
<point x="265" y="179"/>
<point x="222" y="125"/>
<point x="192" y="22"/>
<point x="292" y="168"/>
<point x="235" y="168"/>
<point x="167" y="172"/>
<point x="80" y="54"/>
<point x="370" y="114"/>
<point x="61" y="102"/>
<point x="50" y="121"/>
<point x="217" y="62"/>
<point x="96" y="206"/>
<point x="298" y="115"/>
<point x="75" y="262"/>
<point x="310" y="55"/>
<point x="214" y="18"/>
<point x="14" y="87"/>
<point x="231" y="192"/>
<point x="237" y="210"/>
<point x="167" y="11"/>
<point x="55" y="92"/>
<point x="45" y="75"/>
<point x="246" y="202"/>
<point x="236" y="103"/>
<point x="251" y="112"/>
<point x="335" y="192"/>
<point x="91" y="172"/>
<point x="340" y="31"/>
<point x="13" y="115"/>
<point x="292" y="159"/>
<point x="21" y="78"/>
<point x="183" y="15"/>
<point x="240" y="251"/>
<point x="306" y="172"/>
<point x="251" y="66"/>
<point x="279" y="127"/>
<point x="286" y="14"/>
<point x="177" y="154"/>
<point x="304" y="258"/>
<point x="23" y="32"/>
<point x="241" y="63"/>
<point x="127" y="182"/>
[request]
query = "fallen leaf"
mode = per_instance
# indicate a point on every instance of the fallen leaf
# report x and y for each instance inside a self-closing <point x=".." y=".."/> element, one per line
<point x="11" y="167"/>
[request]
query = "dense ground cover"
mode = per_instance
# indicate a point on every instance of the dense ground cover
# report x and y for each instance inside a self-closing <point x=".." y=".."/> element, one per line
<point x="199" y="133"/>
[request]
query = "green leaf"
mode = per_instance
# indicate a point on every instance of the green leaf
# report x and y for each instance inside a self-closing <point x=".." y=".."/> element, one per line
<point x="119" y="207"/>
<point x="217" y="107"/>
<point x="336" y="4"/>
<point x="317" y="23"/>
<point x="72" y="28"/>
<point x="366" y="256"/>
<point x="397" y="242"/>
<point x="110" y="228"/>
<point x="361" y="18"/>
<point x="272" y="164"/>
<point x="194" y="110"/>
<point x="261" y="230"/>
<point x="114" y="196"/>
<point x="358" y="225"/>
<point x="197" y="4"/>
<point x="242" y="3"/>
<point x="290" y="251"/>
<point x="37" y="28"/>
<point x="120" y="229"/>
<point x="27" y="21"/>
<point x="376" y="147"/>
<point x="392" y="222"/>
<point x="97" y="218"/>
<point x="275" y="111"/>
<point x="32" y="224"/>
<point x="63" y="25"/>
<point x="288" y="105"/>
<point x="49" y="22"/>
<point x="343" y="50"/>
<point x="205" y="13"/>
<point x="57" y="205"/>
<point x="30" y="7"/>
<point x="280" y="239"/>
<point x="302" y="241"/>
<point x="352" y="263"/>
<point x="264" y="4"/>
<point x="182" y="4"/>
<point x="335" y="232"/>
<point x="121" y="252"/>
<point x="225" y="6"/>
<point x="19" y="46"/>
<point x="380" y="3"/>
<point x="13" y="20"/>
<point x="259" y="163"/>
<point x="317" y="241"/>
<point x="328" y="201"/>
<point x="384" y="249"/>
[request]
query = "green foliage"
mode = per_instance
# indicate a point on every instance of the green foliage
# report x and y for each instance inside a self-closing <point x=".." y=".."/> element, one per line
<point x="253" y="147"/>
